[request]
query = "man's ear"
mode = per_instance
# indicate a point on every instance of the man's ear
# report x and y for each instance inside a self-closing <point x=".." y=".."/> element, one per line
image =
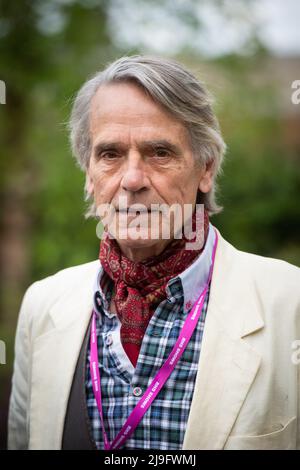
<point x="89" y="184"/>
<point x="206" y="180"/>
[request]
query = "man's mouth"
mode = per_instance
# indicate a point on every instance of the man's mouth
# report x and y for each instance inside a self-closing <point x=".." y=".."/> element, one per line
<point x="134" y="211"/>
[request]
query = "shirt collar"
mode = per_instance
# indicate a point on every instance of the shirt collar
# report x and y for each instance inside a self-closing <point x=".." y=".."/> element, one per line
<point x="194" y="278"/>
<point x="188" y="284"/>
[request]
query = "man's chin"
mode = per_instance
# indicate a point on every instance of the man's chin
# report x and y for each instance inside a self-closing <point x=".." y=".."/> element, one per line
<point x="144" y="240"/>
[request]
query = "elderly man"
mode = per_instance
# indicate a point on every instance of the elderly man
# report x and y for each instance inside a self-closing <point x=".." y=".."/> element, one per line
<point x="176" y="341"/>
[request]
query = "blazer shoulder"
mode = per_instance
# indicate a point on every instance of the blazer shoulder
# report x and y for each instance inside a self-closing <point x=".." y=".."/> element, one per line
<point x="42" y="294"/>
<point x="273" y="275"/>
<point x="259" y="267"/>
<point x="263" y="264"/>
<point x="272" y="278"/>
<point x="64" y="278"/>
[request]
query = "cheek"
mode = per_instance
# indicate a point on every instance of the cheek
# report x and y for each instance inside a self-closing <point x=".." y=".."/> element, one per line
<point x="99" y="175"/>
<point x="171" y="186"/>
<point x="105" y="186"/>
<point x="188" y="188"/>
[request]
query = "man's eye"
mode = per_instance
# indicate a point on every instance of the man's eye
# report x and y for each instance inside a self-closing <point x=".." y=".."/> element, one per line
<point x="108" y="155"/>
<point x="162" y="153"/>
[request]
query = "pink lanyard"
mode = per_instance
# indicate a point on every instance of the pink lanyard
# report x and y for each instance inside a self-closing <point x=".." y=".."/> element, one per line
<point x="161" y="377"/>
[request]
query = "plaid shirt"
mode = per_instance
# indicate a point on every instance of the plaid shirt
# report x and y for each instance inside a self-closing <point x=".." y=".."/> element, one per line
<point x="163" y="425"/>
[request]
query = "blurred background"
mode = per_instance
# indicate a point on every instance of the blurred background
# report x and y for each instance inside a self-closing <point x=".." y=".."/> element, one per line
<point x="247" y="53"/>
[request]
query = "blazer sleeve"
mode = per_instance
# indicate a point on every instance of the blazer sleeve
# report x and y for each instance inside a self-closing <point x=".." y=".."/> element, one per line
<point x="18" y="413"/>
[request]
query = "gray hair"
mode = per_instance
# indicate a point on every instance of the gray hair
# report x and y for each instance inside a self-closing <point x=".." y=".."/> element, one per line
<point x="178" y="91"/>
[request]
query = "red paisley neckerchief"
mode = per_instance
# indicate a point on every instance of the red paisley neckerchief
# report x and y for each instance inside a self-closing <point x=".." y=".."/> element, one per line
<point x="140" y="286"/>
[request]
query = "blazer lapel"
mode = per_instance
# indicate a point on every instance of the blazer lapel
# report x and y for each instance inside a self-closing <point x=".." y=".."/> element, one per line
<point x="227" y="365"/>
<point x="57" y="353"/>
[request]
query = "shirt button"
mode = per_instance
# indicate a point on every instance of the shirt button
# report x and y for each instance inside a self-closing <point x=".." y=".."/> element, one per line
<point x="109" y="340"/>
<point x="137" y="391"/>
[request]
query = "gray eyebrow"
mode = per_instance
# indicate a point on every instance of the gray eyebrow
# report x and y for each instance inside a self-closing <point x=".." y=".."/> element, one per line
<point x="144" y="145"/>
<point x="161" y="143"/>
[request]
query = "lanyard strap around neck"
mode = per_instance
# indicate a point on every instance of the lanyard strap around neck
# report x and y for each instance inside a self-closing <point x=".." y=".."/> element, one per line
<point x="161" y="377"/>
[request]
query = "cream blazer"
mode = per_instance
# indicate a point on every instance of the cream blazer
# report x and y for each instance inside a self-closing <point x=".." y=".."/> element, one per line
<point x="247" y="390"/>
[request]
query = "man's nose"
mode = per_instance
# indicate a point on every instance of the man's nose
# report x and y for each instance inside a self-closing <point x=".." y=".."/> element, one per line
<point x="134" y="177"/>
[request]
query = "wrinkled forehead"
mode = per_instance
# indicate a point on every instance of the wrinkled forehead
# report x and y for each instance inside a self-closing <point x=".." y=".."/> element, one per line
<point x="125" y="108"/>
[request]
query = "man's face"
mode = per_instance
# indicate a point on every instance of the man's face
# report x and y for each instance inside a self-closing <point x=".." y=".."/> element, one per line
<point x="141" y="152"/>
